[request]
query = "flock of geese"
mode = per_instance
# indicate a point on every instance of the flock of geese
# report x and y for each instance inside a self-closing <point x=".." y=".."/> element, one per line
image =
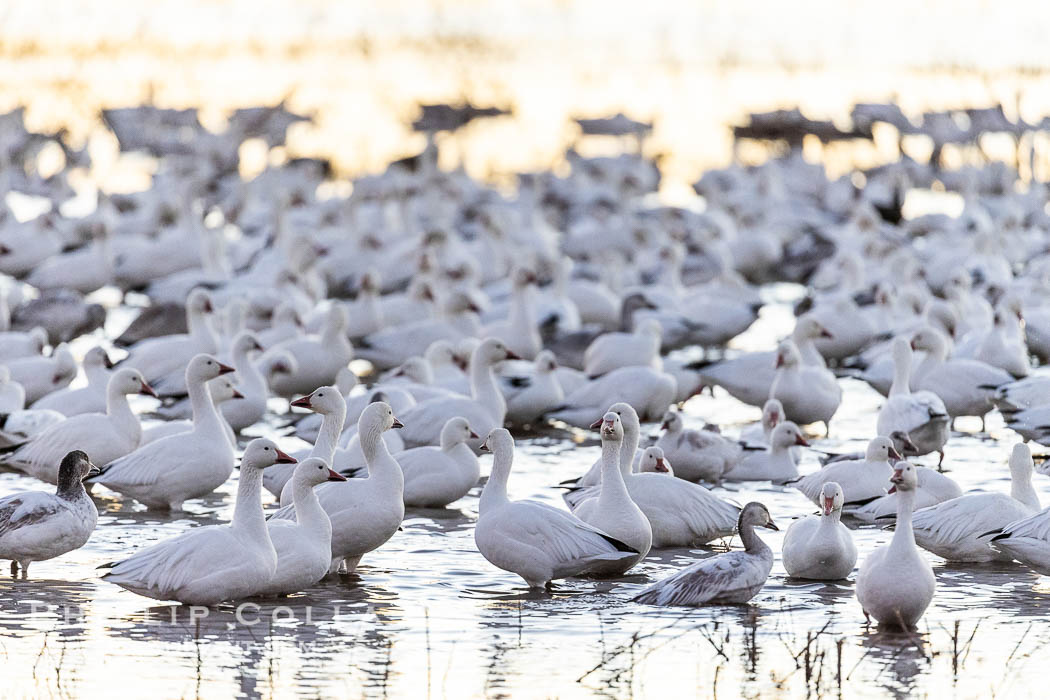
<point x="469" y="315"/>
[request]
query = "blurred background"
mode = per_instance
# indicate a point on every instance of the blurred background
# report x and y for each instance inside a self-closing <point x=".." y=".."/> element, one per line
<point x="691" y="68"/>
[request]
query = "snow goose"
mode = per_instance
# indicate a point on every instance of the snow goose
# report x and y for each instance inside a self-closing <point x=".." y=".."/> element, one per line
<point x="83" y="270"/>
<point x="19" y="427"/>
<point x="649" y="391"/>
<point x="1024" y="393"/>
<point x="319" y="358"/>
<point x="210" y="564"/>
<point x="614" y="350"/>
<point x="17" y="344"/>
<point x="860" y="480"/>
<point x="750" y="376"/>
<point x="39" y="376"/>
<point x="167" y="472"/>
<point x="698" y="455"/>
<point x="776" y="463"/>
<point x="108" y="435"/>
<point x="520" y="332"/>
<point x="330" y="404"/>
<point x="485" y="409"/>
<point x="612" y="510"/>
<point x="12" y="395"/>
<point x="303" y="545"/>
<point x="221" y="389"/>
<point x="166" y="357"/>
<point x="732" y="577"/>
<point x="88" y="399"/>
<point x="251" y="384"/>
<point x="435" y="476"/>
<point x="536" y="541"/>
<point x="956" y="529"/>
<point x="530" y="389"/>
<point x="920" y="415"/>
<point x="819" y="546"/>
<point x="632" y="433"/>
<point x="285" y="324"/>
<point x="895" y="583"/>
<point x="36" y="526"/>
<point x="961" y="384"/>
<point x="933" y="488"/>
<point x="365" y="313"/>
<point x="365" y="513"/>
<point x="1001" y="345"/>
<point x="1027" y="541"/>
<point x="808" y="393"/>
<point x="758" y="433"/>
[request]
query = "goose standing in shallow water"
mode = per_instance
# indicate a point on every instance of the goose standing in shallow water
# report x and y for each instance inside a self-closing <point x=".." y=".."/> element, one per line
<point x="329" y="402"/>
<point x="436" y="476"/>
<point x="88" y="399"/>
<point x="732" y="577"/>
<point x="612" y="510"/>
<point x="820" y="547"/>
<point x="210" y="564"/>
<point x="303" y="545"/>
<point x="809" y="394"/>
<point x="365" y="513"/>
<point x="39" y="376"/>
<point x="36" y="526"/>
<point x="776" y="463"/>
<point x="698" y="455"/>
<point x="920" y="415"/>
<point x="860" y="480"/>
<point x="957" y="529"/>
<point x="896" y="584"/>
<point x="536" y="541"/>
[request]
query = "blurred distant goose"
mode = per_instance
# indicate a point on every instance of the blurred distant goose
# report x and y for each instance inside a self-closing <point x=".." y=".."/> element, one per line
<point x="485" y="409"/>
<point x="319" y="358"/>
<point x="932" y="488"/>
<point x="16" y="344"/>
<point x="1024" y="393"/>
<point x="859" y="480"/>
<point x="285" y="324"/>
<point x="809" y="394"/>
<point x="328" y="402"/>
<point x="36" y="526"/>
<point x="39" y="376"/>
<point x="172" y="470"/>
<point x="83" y="270"/>
<point x="959" y="383"/>
<point x="303" y="545"/>
<point x="12" y="395"/>
<point x="435" y="476"/>
<point x="520" y="332"/>
<point x="530" y="390"/>
<point x="957" y="529"/>
<point x="649" y="391"/>
<point x="167" y="356"/>
<point x="758" y="434"/>
<point x="88" y="399"/>
<point x="612" y="510"/>
<point x="732" y="577"/>
<point x="254" y="390"/>
<point x="920" y="415"/>
<point x="1026" y="540"/>
<point x="222" y="391"/>
<point x="895" y="583"/>
<point x="614" y="350"/>
<point x="776" y="463"/>
<point x="536" y="541"/>
<point x="210" y="564"/>
<point x="820" y="546"/>
<point x="698" y="455"/>
<point x="365" y="513"/>
<point x="108" y="435"/>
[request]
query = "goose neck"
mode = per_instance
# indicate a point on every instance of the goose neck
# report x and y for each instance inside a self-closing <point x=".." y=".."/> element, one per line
<point x="328" y="435"/>
<point x="904" y="538"/>
<point x="483" y="389"/>
<point x="495" y="492"/>
<point x="753" y="544"/>
<point x="247" y="511"/>
<point x="613" y="489"/>
<point x="205" y="417"/>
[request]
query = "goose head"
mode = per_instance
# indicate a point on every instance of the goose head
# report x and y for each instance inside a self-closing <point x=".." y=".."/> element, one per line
<point x="611" y="428"/>
<point x="787" y="355"/>
<point x="39" y="337"/>
<point x="787" y="434"/>
<point x="286" y="316"/>
<point x="628" y="417"/>
<point x="222" y="390"/>
<point x="198" y="303"/>
<point x="315" y="471"/>
<point x="905" y="477"/>
<point x="130" y="381"/>
<point x="378" y="416"/>
<point x="1021" y="464"/>
<point x="831" y="498"/>
<point x="325" y="400"/>
<point x="772" y="414"/>
<point x="498" y="441"/>
<point x="754" y="514"/>
<point x="523" y="278"/>
<point x="415" y="369"/>
<point x="261" y="453"/>
<point x="65" y="368"/>
<point x="653" y="460"/>
<point x="245" y="343"/>
<point x="932" y="341"/>
<point x="440" y="353"/>
<point x="75" y="467"/>
<point x="281" y="363"/>
<point x="809" y="327"/>
<point x="97" y="358"/>
<point x="672" y="422"/>
<point x="545" y="362"/>
<point x="491" y="351"/>
<point x="902" y="351"/>
<point x="881" y="449"/>
<point x="456" y="431"/>
<point x="369" y="284"/>
<point x="940" y="315"/>
<point x="336" y="321"/>
<point x="203" y="368"/>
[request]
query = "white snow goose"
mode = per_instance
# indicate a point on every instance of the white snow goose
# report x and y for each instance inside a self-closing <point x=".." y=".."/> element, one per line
<point x="920" y="415"/>
<point x="88" y="399"/>
<point x="820" y="547"/>
<point x="896" y="584"/>
<point x="860" y="480"/>
<point x="436" y="476"/>
<point x="649" y="391"/>
<point x="330" y="404"/>
<point x="776" y="463"/>
<point x="732" y="577"/>
<point x="614" y="350"/>
<point x="534" y="540"/>
<point x="39" y="376"/>
<point x="809" y="394"/>
<point x="318" y="358"/>
<point x="698" y="455"/>
<point x="210" y="564"/>
<point x="36" y="526"/>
